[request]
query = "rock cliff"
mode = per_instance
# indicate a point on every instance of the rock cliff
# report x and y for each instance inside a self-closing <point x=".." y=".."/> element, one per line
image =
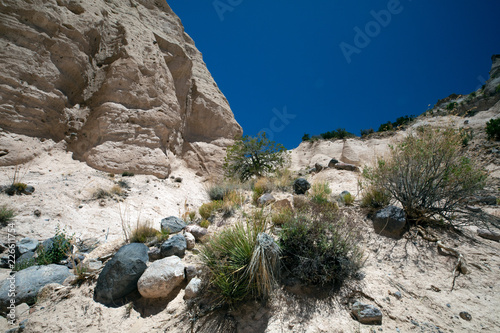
<point x="119" y="82"/>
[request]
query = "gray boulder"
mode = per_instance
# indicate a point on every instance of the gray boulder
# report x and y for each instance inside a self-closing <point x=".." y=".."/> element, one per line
<point x="390" y="222"/>
<point x="172" y="225"/>
<point x="346" y="166"/>
<point x="120" y="275"/>
<point x="193" y="288"/>
<point x="197" y="231"/>
<point x="190" y="240"/>
<point x="161" y="278"/>
<point x="25" y="245"/>
<point x="301" y="185"/>
<point x="174" y="246"/>
<point x="28" y="283"/>
<point x="266" y="199"/>
<point x="366" y="314"/>
<point x="25" y="258"/>
<point x="488" y="234"/>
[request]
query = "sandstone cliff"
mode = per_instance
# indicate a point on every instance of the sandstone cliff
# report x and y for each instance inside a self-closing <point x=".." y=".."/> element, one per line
<point x="119" y="82"/>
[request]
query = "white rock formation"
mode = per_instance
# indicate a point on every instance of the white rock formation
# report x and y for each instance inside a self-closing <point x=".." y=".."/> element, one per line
<point x="119" y="81"/>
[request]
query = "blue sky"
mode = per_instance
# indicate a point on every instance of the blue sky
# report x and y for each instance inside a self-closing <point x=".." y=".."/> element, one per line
<point x="294" y="67"/>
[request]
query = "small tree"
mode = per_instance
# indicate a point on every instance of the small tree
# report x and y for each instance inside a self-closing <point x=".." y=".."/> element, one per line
<point x="254" y="156"/>
<point x="429" y="173"/>
<point x="493" y="129"/>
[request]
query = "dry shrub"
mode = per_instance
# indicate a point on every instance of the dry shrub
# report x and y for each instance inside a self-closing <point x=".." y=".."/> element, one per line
<point x="208" y="209"/>
<point x="375" y="198"/>
<point x="320" y="192"/>
<point x="430" y="174"/>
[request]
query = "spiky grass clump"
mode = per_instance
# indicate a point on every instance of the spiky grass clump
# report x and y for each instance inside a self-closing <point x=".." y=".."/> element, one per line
<point x="144" y="232"/>
<point x="6" y="214"/>
<point x="243" y="262"/>
<point x="375" y="198"/>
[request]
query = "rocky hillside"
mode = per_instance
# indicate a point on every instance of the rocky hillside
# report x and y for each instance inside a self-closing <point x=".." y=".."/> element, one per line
<point x="118" y="82"/>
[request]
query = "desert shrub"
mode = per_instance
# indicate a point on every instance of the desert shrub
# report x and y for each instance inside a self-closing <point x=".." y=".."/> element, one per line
<point x="254" y="156"/>
<point x="467" y="134"/>
<point x="127" y="174"/>
<point x="60" y="248"/>
<point x="365" y="132"/>
<point x="319" y="249"/>
<point x="208" y="209"/>
<point x="385" y="127"/>
<point x="204" y="223"/>
<point x="497" y="89"/>
<point x="451" y="106"/>
<point x="123" y="184"/>
<point x="306" y="137"/>
<point x="493" y="129"/>
<point x="116" y="190"/>
<point x="101" y="193"/>
<point x="429" y="173"/>
<point x="375" y="198"/>
<point x="347" y="199"/>
<point x="243" y="262"/>
<point x="281" y="216"/>
<point x="282" y="179"/>
<point x="6" y="214"/>
<point x="218" y="190"/>
<point x="320" y="192"/>
<point x="144" y="232"/>
<point x="261" y="186"/>
<point x="339" y="133"/>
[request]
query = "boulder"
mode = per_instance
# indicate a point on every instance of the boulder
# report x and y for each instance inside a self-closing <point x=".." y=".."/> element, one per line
<point x="266" y="199"/>
<point x="390" y="222"/>
<point x="332" y="163"/>
<point x="193" y="288"/>
<point x="190" y="240"/>
<point x="29" y="281"/>
<point x="161" y="278"/>
<point x="192" y="271"/>
<point x="120" y="275"/>
<point x="318" y="167"/>
<point x="488" y="234"/>
<point x="174" y="246"/>
<point x="25" y="258"/>
<point x="301" y="185"/>
<point x="154" y="253"/>
<point x="346" y="166"/>
<point x="197" y="231"/>
<point x="172" y="225"/>
<point x="366" y="314"/>
<point x="25" y="245"/>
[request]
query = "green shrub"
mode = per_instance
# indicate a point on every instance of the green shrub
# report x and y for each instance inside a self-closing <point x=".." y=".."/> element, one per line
<point x="467" y="134"/>
<point x="218" y="190"/>
<point x="347" y="199"/>
<point x="243" y="262"/>
<point x="127" y="174"/>
<point x="339" y="133"/>
<point x="254" y="156"/>
<point x="429" y="173"/>
<point x="6" y="215"/>
<point x="385" y="127"/>
<point x="497" y="89"/>
<point x="375" y="198"/>
<point x="451" y="106"/>
<point x="306" y="137"/>
<point x="319" y="249"/>
<point x="204" y="223"/>
<point x="493" y="129"/>
<point x="208" y="209"/>
<point x="320" y="192"/>
<point x="281" y="216"/>
<point x="59" y="250"/>
<point x="144" y="232"/>
<point x="366" y="132"/>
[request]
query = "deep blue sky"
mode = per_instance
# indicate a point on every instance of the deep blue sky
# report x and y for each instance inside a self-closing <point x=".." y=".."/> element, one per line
<point x="285" y="55"/>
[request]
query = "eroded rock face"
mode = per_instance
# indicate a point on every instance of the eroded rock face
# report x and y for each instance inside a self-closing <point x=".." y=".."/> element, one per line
<point x="119" y="81"/>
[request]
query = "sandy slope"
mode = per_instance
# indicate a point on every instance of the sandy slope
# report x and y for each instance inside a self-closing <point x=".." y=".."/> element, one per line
<point x="64" y="189"/>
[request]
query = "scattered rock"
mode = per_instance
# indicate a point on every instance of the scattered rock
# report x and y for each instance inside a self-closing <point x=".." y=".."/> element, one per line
<point x="390" y="222"/>
<point x="172" y="225"/>
<point x="266" y="199"/>
<point x="191" y="272"/>
<point x="397" y="294"/>
<point x="190" y="240"/>
<point x="37" y="213"/>
<point x="154" y="253"/>
<point x="318" y="167"/>
<point x="178" y="180"/>
<point x="93" y="265"/>
<point x="161" y="277"/>
<point x="366" y="314"/>
<point x="345" y="166"/>
<point x="488" y="234"/>
<point x="193" y="288"/>
<point x="174" y="246"/>
<point x="29" y="281"/>
<point x="465" y="316"/>
<point x="301" y="185"/>
<point x="197" y="231"/>
<point x="120" y="275"/>
<point x="332" y="163"/>
<point x="26" y="245"/>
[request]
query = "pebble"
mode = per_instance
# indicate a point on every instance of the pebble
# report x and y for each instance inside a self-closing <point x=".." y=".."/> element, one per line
<point x="465" y="316"/>
<point x="397" y="294"/>
<point x="448" y="305"/>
